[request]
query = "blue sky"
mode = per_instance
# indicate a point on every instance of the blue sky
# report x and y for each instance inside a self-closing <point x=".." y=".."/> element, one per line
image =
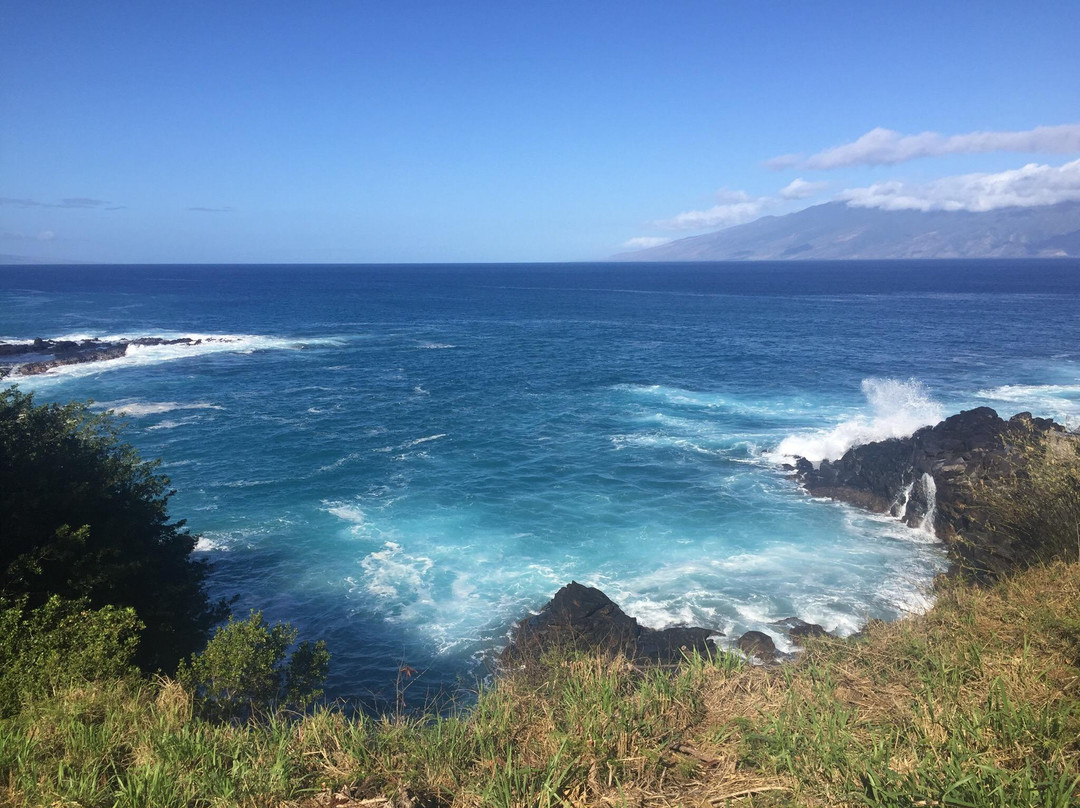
<point x="510" y="131"/>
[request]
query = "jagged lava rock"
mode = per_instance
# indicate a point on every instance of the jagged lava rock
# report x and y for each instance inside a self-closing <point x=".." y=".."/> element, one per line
<point x="758" y="644"/>
<point x="584" y="618"/>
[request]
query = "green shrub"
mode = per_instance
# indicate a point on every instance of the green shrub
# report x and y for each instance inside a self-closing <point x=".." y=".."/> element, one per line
<point x="246" y="669"/>
<point x="83" y="517"/>
<point x="60" y="644"/>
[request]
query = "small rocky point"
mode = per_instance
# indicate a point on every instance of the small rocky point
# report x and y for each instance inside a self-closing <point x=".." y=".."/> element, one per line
<point x="928" y="480"/>
<point x="584" y="618"/>
<point x="42" y="355"/>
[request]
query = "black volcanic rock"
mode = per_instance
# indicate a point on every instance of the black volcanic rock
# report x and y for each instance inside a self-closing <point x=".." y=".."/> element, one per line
<point x="927" y="481"/>
<point x="758" y="644"/>
<point x="584" y="618"/>
<point x="799" y="629"/>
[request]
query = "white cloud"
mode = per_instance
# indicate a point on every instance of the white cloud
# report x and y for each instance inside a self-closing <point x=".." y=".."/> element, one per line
<point x="1031" y="186"/>
<point x="72" y="202"/>
<point x="886" y="147"/>
<point x="46" y="235"/>
<point x="644" y="242"/>
<point x="799" y="188"/>
<point x="735" y="207"/>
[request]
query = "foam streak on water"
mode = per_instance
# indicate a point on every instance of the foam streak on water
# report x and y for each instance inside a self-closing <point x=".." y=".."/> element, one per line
<point x="406" y="460"/>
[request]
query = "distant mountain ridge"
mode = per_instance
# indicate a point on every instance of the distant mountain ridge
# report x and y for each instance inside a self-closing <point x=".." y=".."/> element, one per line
<point x="835" y="231"/>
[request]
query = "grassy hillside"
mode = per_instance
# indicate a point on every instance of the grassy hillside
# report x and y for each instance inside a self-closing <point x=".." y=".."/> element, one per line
<point x="976" y="703"/>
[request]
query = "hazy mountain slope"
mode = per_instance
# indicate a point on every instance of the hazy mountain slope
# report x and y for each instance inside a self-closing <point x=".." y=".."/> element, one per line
<point x="836" y="231"/>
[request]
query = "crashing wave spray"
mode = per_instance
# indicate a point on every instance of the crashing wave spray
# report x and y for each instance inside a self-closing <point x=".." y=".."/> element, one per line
<point x="898" y="408"/>
<point x="900" y="506"/>
<point x="930" y="493"/>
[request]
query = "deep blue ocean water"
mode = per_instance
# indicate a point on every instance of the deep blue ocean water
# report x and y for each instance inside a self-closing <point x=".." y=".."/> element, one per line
<point x="404" y="460"/>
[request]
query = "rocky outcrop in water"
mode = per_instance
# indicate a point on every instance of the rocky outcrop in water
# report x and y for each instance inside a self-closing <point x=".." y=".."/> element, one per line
<point x="584" y="618"/>
<point x="930" y="481"/>
<point x="42" y="355"/>
<point x="799" y="630"/>
<point x="759" y="645"/>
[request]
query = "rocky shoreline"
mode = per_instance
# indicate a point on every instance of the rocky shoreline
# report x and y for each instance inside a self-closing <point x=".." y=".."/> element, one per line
<point x="43" y="355"/>
<point x="928" y="480"/>
<point x="932" y="480"/>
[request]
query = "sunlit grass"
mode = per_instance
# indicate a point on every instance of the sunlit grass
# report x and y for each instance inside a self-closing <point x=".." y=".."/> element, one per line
<point x="973" y="704"/>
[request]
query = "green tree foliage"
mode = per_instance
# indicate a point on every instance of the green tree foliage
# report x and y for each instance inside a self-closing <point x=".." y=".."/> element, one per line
<point x="59" y="644"/>
<point x="246" y="669"/>
<point x="83" y="517"/>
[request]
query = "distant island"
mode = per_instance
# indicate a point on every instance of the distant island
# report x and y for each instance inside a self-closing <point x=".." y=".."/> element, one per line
<point x="837" y="231"/>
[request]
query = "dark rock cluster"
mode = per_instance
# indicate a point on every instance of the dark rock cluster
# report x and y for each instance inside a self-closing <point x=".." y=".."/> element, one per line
<point x="584" y="618"/>
<point x="42" y="355"/>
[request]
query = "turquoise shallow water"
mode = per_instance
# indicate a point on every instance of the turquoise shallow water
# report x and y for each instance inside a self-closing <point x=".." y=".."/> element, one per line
<point x="405" y="460"/>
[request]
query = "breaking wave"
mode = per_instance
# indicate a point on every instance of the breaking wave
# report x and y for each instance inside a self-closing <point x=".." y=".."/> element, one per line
<point x="896" y="409"/>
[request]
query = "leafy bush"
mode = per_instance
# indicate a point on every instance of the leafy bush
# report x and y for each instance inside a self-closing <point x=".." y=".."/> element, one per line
<point x="60" y="644"/>
<point x="83" y="517"/>
<point x="244" y="669"/>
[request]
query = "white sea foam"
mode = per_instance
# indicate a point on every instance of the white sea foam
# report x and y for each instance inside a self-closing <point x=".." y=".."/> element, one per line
<point x="138" y="409"/>
<point x="410" y="444"/>
<point x="392" y="573"/>
<point x="690" y="399"/>
<point x="341" y="461"/>
<point x="435" y="346"/>
<point x="1060" y="401"/>
<point x="173" y="423"/>
<point x="897" y="409"/>
<point x="205" y="545"/>
<point x="346" y="511"/>
<point x="655" y="441"/>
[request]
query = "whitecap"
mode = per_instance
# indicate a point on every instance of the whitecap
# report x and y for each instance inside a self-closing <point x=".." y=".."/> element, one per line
<point x="410" y="444"/>
<point x="654" y="441"/>
<point x="139" y="409"/>
<point x="341" y="461"/>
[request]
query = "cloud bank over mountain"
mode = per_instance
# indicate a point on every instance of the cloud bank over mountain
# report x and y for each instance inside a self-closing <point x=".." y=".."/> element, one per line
<point x="1034" y="185"/>
<point x="839" y="230"/>
<point x="882" y="146"/>
<point x="1031" y="186"/>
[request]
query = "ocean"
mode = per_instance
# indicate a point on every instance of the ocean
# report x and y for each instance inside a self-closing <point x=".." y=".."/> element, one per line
<point x="405" y="460"/>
